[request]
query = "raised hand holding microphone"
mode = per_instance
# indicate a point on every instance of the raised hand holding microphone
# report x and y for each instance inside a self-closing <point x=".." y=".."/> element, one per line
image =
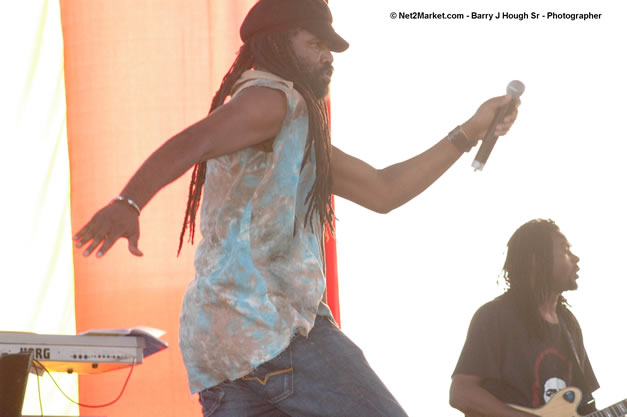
<point x="515" y="89"/>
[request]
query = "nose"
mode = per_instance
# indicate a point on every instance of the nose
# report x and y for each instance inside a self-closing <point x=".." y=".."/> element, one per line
<point x="326" y="56"/>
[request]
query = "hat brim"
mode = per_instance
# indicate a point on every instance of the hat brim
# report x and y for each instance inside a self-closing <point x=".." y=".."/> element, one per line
<point x="326" y="32"/>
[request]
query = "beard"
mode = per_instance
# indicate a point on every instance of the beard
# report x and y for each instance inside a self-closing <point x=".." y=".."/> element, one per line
<point x="565" y="285"/>
<point x="572" y="285"/>
<point x="318" y="79"/>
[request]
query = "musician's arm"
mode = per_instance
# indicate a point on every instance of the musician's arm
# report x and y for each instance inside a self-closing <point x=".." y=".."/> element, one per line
<point x="469" y="397"/>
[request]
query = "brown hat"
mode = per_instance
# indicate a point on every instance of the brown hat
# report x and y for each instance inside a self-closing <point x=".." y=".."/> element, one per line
<point x="311" y="15"/>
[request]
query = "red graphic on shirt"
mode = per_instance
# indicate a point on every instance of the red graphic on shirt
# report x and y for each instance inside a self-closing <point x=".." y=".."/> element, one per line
<point x="538" y="387"/>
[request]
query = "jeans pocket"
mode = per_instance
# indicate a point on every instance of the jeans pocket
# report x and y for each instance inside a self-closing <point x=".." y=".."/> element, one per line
<point x="210" y="400"/>
<point x="274" y="380"/>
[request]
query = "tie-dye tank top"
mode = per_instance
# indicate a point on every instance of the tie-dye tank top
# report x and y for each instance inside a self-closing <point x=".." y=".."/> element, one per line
<point x="259" y="272"/>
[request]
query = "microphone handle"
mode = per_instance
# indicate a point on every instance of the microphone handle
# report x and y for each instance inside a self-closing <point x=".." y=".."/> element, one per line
<point x="490" y="139"/>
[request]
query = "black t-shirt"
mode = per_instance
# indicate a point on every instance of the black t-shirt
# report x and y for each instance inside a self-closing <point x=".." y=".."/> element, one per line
<point x="518" y="367"/>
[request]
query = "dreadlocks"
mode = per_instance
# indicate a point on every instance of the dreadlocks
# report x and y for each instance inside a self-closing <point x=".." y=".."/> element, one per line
<point x="273" y="51"/>
<point x="528" y="272"/>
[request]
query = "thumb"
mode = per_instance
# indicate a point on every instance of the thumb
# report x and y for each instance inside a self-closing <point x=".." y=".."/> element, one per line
<point x="502" y="100"/>
<point x="132" y="246"/>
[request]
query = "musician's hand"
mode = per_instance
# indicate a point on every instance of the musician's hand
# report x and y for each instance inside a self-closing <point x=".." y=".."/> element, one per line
<point x="108" y="225"/>
<point x="477" y="126"/>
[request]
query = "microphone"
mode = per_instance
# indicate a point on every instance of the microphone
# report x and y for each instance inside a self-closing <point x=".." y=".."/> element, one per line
<point x="515" y="88"/>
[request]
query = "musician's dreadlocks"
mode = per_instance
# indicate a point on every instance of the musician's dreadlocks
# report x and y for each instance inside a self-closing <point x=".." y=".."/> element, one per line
<point x="528" y="272"/>
<point x="273" y="52"/>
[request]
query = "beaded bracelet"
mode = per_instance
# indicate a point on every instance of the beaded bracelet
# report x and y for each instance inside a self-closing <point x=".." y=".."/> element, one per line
<point x="129" y="201"/>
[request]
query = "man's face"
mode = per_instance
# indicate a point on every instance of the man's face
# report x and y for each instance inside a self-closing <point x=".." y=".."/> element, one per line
<point x="564" y="265"/>
<point x="315" y="61"/>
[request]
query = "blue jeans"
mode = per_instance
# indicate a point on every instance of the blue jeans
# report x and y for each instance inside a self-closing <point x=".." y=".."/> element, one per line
<point x="324" y="374"/>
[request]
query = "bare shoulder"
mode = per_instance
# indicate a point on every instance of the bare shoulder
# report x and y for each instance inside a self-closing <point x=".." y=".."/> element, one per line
<point x="252" y="117"/>
<point x="263" y="104"/>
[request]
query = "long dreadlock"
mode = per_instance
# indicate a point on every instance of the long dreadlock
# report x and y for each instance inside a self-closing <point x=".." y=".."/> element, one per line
<point x="273" y="51"/>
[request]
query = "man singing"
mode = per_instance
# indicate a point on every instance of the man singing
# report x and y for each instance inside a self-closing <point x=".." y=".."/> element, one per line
<point x="256" y="337"/>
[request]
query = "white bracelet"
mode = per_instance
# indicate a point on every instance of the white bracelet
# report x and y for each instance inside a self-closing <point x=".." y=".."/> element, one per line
<point x="129" y="201"/>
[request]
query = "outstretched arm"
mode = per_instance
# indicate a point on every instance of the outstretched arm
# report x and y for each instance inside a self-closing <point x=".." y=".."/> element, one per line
<point x="383" y="190"/>
<point x="252" y="117"/>
<point x="469" y="397"/>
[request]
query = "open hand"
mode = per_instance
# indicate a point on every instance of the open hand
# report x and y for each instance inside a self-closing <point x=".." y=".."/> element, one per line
<point x="108" y="225"/>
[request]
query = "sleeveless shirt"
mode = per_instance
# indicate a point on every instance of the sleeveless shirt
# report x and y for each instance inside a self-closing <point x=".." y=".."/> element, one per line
<point x="259" y="271"/>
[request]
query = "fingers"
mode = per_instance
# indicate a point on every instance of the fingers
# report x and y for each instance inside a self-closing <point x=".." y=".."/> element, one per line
<point x="503" y="100"/>
<point x="132" y="245"/>
<point x="106" y="227"/>
<point x="478" y="124"/>
<point x="92" y="231"/>
<point x="108" y="242"/>
<point x="497" y="103"/>
<point x="97" y="235"/>
<point x="501" y="130"/>
<point x="83" y="235"/>
<point x="503" y="127"/>
<point x="492" y="106"/>
<point x="94" y="244"/>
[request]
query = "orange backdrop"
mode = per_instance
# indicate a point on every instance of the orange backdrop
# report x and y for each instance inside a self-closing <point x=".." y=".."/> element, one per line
<point x="137" y="72"/>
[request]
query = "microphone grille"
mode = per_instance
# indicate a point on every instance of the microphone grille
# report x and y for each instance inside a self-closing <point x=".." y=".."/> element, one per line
<point x="515" y="88"/>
